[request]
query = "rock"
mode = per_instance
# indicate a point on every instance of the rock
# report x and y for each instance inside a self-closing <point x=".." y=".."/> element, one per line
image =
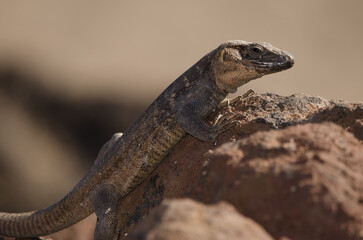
<point x="270" y="111"/>
<point x="188" y="169"/>
<point x="190" y="220"/>
<point x="303" y="182"/>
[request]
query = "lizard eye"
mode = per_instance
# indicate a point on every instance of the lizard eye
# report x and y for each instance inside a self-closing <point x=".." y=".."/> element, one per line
<point x="257" y="50"/>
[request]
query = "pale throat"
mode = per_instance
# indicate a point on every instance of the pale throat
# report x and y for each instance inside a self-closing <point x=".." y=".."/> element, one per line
<point x="231" y="79"/>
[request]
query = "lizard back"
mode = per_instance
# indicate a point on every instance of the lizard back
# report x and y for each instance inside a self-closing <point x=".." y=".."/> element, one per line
<point x="149" y="139"/>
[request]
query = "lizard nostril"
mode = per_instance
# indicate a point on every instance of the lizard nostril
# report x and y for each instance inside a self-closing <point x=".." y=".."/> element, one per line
<point x="290" y="59"/>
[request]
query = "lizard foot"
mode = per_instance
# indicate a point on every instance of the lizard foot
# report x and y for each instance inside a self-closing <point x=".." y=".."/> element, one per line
<point x="105" y="201"/>
<point x="225" y="122"/>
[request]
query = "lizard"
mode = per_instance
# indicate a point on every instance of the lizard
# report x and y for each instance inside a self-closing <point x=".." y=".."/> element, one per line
<point x="129" y="158"/>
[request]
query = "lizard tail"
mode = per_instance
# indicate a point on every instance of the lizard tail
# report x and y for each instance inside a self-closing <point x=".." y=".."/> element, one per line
<point x="71" y="209"/>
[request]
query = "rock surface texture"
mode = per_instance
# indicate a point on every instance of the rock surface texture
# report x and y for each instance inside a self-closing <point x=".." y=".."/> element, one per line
<point x="187" y="219"/>
<point x="292" y="164"/>
<point x="304" y="182"/>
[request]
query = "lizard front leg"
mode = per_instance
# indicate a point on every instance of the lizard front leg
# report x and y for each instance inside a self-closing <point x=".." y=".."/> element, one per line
<point x="190" y="121"/>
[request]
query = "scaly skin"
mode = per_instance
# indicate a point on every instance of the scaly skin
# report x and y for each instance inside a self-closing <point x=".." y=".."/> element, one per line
<point x="129" y="159"/>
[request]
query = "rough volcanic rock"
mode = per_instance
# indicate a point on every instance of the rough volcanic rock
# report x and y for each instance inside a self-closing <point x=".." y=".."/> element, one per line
<point x="303" y="182"/>
<point x="270" y="111"/>
<point x="189" y="220"/>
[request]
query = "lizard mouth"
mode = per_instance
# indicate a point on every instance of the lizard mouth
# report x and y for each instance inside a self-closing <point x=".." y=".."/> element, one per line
<point x="272" y="67"/>
<point x="288" y="63"/>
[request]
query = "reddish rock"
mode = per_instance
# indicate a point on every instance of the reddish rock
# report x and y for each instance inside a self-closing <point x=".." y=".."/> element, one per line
<point x="356" y="128"/>
<point x="189" y="220"/>
<point x="303" y="182"/>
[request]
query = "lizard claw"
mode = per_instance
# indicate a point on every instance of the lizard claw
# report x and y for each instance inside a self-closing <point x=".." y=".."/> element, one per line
<point x="225" y="122"/>
<point x="230" y="117"/>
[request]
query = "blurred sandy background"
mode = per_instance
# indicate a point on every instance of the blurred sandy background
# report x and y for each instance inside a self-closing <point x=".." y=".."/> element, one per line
<point x="74" y="72"/>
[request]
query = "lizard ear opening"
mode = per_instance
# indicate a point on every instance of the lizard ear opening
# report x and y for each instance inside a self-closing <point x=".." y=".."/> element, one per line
<point x="222" y="55"/>
<point x="229" y="55"/>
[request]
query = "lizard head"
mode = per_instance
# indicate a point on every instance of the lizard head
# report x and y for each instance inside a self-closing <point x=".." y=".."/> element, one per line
<point x="238" y="62"/>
